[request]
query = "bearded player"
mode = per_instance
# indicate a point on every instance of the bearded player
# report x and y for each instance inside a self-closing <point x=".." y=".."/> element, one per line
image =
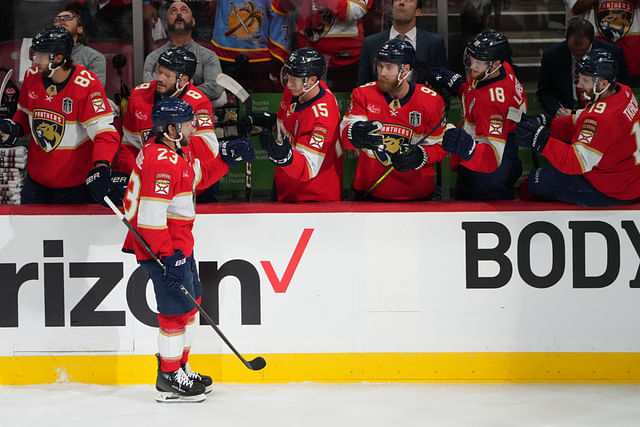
<point x="483" y="152"/>
<point x="176" y="67"/>
<point x="160" y="204"/>
<point x="394" y="123"/>
<point x="595" y="153"/>
<point x="306" y="153"/>
<point x="71" y="123"/>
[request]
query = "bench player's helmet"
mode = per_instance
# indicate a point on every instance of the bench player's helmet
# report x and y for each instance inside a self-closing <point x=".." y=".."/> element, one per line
<point x="179" y="60"/>
<point x="397" y="51"/>
<point x="305" y="62"/>
<point x="599" y="64"/>
<point x="489" y="46"/>
<point x="170" y="111"/>
<point x="53" y="40"/>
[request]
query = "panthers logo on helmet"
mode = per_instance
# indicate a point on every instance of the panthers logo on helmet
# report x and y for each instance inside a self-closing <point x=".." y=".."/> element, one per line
<point x="614" y="19"/>
<point x="48" y="128"/>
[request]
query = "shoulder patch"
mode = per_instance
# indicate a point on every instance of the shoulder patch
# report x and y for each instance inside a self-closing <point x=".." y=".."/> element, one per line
<point x="162" y="184"/>
<point x="496" y="124"/>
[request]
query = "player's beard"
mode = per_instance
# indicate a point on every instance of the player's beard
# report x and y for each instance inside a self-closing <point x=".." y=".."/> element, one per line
<point x="386" y="84"/>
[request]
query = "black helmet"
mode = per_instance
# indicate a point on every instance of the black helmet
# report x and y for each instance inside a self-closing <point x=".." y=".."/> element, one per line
<point x="53" y="40"/>
<point x="305" y="62"/>
<point x="598" y="63"/>
<point x="170" y="111"/>
<point x="489" y="45"/>
<point x="179" y="60"/>
<point x="397" y="51"/>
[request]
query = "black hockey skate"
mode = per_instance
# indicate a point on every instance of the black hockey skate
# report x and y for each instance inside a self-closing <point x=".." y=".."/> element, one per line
<point x="176" y="386"/>
<point x="205" y="380"/>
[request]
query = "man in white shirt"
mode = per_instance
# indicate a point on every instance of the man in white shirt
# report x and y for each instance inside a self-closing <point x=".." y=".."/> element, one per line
<point x="430" y="49"/>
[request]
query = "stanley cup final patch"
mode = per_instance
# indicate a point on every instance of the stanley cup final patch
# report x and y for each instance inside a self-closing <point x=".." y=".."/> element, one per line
<point x="496" y="124"/>
<point x="162" y="184"/>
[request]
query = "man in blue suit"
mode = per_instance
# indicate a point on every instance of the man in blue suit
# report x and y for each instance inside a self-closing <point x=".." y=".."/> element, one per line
<point x="430" y="50"/>
<point x="556" y="88"/>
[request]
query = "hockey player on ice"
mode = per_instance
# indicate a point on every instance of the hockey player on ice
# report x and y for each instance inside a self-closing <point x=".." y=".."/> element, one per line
<point x="483" y="152"/>
<point x="160" y="204"/>
<point x="394" y="122"/>
<point x="306" y="153"/>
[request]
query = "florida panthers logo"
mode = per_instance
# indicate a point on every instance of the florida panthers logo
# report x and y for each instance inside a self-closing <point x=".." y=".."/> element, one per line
<point x="395" y="138"/>
<point x="614" y="19"/>
<point x="48" y="129"/>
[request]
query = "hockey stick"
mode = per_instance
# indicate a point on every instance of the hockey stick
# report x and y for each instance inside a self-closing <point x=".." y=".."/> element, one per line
<point x="230" y="84"/>
<point x="392" y="168"/>
<point x="255" y="364"/>
<point x="5" y="81"/>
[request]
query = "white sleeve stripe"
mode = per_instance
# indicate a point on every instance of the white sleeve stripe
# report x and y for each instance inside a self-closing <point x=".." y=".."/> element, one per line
<point x="182" y="206"/>
<point x="314" y="159"/>
<point x="587" y="156"/>
<point x="152" y="212"/>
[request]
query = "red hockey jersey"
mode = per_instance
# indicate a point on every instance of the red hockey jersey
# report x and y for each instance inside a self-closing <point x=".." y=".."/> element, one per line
<point x="334" y="28"/>
<point x="603" y="144"/>
<point x="71" y="127"/>
<point x="420" y="113"/>
<point x="486" y="107"/>
<point x="312" y="129"/>
<point x="160" y="200"/>
<point x="137" y="124"/>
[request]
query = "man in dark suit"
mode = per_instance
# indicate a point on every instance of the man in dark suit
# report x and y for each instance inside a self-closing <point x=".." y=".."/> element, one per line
<point x="430" y="50"/>
<point x="556" y="89"/>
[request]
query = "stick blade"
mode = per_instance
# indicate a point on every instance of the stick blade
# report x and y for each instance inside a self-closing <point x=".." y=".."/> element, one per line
<point x="230" y="84"/>
<point x="257" y="364"/>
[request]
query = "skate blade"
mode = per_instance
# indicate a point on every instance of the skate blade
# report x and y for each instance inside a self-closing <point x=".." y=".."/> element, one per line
<point x="170" y="397"/>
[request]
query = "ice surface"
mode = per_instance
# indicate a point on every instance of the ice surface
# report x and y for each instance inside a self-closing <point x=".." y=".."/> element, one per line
<point x="326" y="405"/>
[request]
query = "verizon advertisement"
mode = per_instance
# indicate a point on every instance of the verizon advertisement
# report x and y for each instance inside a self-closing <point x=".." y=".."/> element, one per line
<point x="339" y="282"/>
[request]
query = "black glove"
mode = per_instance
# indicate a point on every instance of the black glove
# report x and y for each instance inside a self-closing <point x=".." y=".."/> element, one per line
<point x="364" y="134"/>
<point x="406" y="160"/>
<point x="10" y="131"/>
<point x="459" y="142"/>
<point x="543" y="119"/>
<point x="99" y="183"/>
<point x="279" y="154"/>
<point x="258" y="120"/>
<point x="237" y="150"/>
<point x="119" y="181"/>
<point x="445" y="79"/>
<point x="530" y="134"/>
<point x="174" y="268"/>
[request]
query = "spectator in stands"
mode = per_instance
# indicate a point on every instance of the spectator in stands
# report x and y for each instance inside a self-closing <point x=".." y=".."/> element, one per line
<point x="334" y="28"/>
<point x="82" y="54"/>
<point x="430" y="50"/>
<point x="616" y="22"/>
<point x="593" y="155"/>
<point x="180" y="23"/>
<point x="259" y="31"/>
<point x="557" y="88"/>
<point x="112" y="20"/>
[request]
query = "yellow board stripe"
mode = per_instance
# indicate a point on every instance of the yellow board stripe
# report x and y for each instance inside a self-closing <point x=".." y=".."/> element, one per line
<point x="335" y="367"/>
